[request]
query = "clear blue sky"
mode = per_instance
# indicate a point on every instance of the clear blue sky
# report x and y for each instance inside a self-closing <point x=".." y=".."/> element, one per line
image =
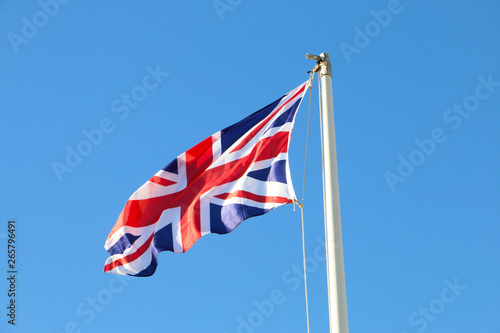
<point x="416" y="88"/>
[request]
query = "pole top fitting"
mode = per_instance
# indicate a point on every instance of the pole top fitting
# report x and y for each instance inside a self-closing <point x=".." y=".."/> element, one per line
<point x="313" y="57"/>
<point x="323" y="61"/>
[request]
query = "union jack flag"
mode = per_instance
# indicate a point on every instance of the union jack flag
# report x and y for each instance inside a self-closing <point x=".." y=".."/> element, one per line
<point x="239" y="172"/>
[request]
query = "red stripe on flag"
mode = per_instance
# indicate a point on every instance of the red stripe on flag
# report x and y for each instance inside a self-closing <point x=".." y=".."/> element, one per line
<point x="162" y="181"/>
<point x="131" y="257"/>
<point x="191" y="223"/>
<point x="271" y="147"/>
<point x="141" y="213"/>
<point x="254" y="197"/>
<point x="257" y="129"/>
<point x="198" y="159"/>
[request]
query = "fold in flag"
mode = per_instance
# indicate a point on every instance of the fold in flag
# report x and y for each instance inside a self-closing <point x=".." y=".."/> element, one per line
<point x="239" y="172"/>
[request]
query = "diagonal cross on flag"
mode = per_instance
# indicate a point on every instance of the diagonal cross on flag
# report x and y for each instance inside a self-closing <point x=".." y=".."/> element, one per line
<point x="237" y="173"/>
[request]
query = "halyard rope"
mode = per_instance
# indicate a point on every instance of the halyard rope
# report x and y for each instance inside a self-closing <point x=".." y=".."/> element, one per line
<point x="301" y="205"/>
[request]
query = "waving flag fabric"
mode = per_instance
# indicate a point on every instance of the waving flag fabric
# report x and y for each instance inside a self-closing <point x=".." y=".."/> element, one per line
<point x="239" y="172"/>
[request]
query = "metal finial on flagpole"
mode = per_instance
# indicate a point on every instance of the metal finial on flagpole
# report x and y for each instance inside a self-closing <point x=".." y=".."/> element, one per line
<point x="313" y="57"/>
<point x="337" y="302"/>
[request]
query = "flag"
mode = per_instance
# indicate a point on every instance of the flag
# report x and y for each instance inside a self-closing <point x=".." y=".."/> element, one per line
<point x="237" y="173"/>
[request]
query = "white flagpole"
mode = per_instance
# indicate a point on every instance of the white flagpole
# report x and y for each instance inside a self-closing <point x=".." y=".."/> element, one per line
<point x="334" y="249"/>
